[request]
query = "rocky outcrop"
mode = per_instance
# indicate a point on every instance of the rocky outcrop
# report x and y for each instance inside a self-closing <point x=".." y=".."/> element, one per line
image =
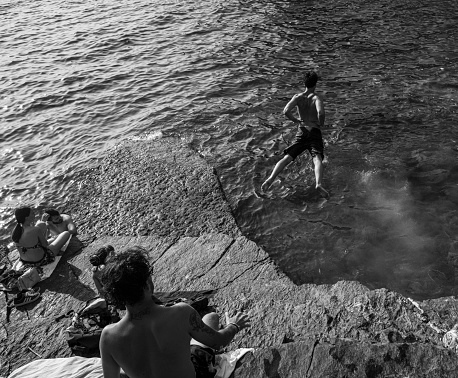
<point x="157" y="188"/>
<point x="340" y="330"/>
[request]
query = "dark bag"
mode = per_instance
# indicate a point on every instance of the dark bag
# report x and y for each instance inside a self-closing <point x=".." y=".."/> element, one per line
<point x="9" y="278"/>
<point x="83" y="334"/>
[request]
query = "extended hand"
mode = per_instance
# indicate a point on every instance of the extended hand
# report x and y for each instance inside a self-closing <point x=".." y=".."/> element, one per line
<point x="241" y="319"/>
<point x="45" y="217"/>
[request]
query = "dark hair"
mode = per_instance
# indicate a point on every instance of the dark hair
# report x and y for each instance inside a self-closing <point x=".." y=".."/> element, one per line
<point x="100" y="256"/>
<point x="51" y="212"/>
<point x="20" y="213"/>
<point x="126" y="276"/>
<point x="310" y="79"/>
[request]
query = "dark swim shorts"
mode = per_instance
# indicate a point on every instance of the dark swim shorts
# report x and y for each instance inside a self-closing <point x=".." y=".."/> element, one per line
<point x="306" y="140"/>
<point x="204" y="361"/>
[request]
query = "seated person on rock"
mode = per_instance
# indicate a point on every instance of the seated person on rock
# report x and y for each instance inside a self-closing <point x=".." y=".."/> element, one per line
<point x="30" y="238"/>
<point x="98" y="261"/>
<point x="152" y="340"/>
<point x="58" y="223"/>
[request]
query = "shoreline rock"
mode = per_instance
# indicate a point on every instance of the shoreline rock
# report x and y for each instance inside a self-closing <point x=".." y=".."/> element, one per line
<point x="339" y="330"/>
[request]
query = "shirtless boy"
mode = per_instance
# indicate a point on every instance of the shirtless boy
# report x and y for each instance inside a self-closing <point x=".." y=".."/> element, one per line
<point x="308" y="137"/>
<point x="58" y="223"/>
<point x="152" y="340"/>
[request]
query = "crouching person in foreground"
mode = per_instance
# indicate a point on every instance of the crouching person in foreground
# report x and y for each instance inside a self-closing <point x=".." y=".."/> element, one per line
<point x="152" y="340"/>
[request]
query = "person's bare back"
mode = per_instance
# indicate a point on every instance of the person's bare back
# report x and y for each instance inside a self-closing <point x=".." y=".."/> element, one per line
<point x="152" y="343"/>
<point x="307" y="108"/>
<point x="151" y="340"/>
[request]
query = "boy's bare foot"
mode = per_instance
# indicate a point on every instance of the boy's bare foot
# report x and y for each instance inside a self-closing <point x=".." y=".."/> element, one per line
<point x="324" y="193"/>
<point x="266" y="185"/>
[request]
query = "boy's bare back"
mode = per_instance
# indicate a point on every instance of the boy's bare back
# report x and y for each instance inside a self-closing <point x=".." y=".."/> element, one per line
<point x="156" y="340"/>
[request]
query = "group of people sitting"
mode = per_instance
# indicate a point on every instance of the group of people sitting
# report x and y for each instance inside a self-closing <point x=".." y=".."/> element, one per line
<point x="38" y="242"/>
<point x="151" y="340"/>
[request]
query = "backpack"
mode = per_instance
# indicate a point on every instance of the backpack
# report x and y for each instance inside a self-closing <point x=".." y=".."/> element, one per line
<point x="28" y="279"/>
<point x="83" y="334"/>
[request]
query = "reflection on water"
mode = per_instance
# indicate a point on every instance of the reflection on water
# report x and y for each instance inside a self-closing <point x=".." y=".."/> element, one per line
<point x="81" y="77"/>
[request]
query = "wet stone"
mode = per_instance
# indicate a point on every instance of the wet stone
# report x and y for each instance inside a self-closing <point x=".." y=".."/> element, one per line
<point x="339" y="330"/>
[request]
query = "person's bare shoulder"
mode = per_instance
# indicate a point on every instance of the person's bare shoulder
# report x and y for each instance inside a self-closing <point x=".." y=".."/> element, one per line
<point x="40" y="227"/>
<point x="181" y="310"/>
<point x="109" y="338"/>
<point x="182" y="307"/>
<point x="66" y="217"/>
<point x="114" y="333"/>
<point x="316" y="97"/>
<point x="110" y="329"/>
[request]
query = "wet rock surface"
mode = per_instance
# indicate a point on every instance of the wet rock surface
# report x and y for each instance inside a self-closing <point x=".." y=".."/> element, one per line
<point x="340" y="330"/>
<point x="158" y="187"/>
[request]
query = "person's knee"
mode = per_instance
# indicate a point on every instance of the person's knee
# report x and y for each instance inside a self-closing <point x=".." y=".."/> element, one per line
<point x="286" y="160"/>
<point x="317" y="159"/>
<point x="65" y="235"/>
<point x="211" y="319"/>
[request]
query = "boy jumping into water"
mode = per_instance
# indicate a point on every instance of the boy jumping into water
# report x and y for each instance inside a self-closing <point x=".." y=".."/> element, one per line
<point x="308" y="137"/>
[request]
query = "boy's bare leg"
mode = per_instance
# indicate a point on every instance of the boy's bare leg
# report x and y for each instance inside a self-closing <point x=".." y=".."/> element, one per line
<point x="317" y="162"/>
<point x="277" y="169"/>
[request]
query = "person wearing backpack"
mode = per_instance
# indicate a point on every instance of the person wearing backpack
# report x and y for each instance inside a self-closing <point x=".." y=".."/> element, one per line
<point x="98" y="261"/>
<point x="153" y="340"/>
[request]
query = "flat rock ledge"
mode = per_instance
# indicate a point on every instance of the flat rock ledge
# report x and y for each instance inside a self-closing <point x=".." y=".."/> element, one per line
<point x="340" y="330"/>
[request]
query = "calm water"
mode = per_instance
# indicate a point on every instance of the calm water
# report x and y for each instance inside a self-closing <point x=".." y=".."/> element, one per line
<point x="77" y="77"/>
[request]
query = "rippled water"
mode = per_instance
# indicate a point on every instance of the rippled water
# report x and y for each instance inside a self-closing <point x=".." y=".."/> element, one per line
<point x="77" y="77"/>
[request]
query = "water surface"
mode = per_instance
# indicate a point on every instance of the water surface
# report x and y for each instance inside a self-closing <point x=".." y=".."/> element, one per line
<point x="78" y="77"/>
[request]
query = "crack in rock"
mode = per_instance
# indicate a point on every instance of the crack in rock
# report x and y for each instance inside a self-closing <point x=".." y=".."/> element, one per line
<point x="311" y="358"/>
<point x="166" y="249"/>
<point x="217" y="260"/>
<point x="246" y="270"/>
<point x="345" y="228"/>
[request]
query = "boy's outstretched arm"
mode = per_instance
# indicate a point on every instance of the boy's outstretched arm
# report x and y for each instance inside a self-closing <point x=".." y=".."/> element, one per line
<point x="320" y="111"/>
<point x="215" y="339"/>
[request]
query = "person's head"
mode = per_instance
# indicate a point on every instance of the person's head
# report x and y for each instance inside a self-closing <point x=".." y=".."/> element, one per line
<point x="100" y="257"/>
<point x="126" y="277"/>
<point x="54" y="216"/>
<point x="310" y="79"/>
<point x="22" y="215"/>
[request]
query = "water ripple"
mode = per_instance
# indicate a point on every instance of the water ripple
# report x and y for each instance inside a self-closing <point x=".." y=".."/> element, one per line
<point x="78" y="77"/>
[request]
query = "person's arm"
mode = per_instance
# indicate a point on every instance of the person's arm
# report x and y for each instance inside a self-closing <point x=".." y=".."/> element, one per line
<point x="110" y="367"/>
<point x="215" y="339"/>
<point x="71" y="228"/>
<point x="42" y="224"/>
<point x="288" y="111"/>
<point x="320" y="111"/>
<point x="41" y="234"/>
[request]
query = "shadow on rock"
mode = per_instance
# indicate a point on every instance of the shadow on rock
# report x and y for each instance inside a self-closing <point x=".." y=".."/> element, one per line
<point x="65" y="278"/>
